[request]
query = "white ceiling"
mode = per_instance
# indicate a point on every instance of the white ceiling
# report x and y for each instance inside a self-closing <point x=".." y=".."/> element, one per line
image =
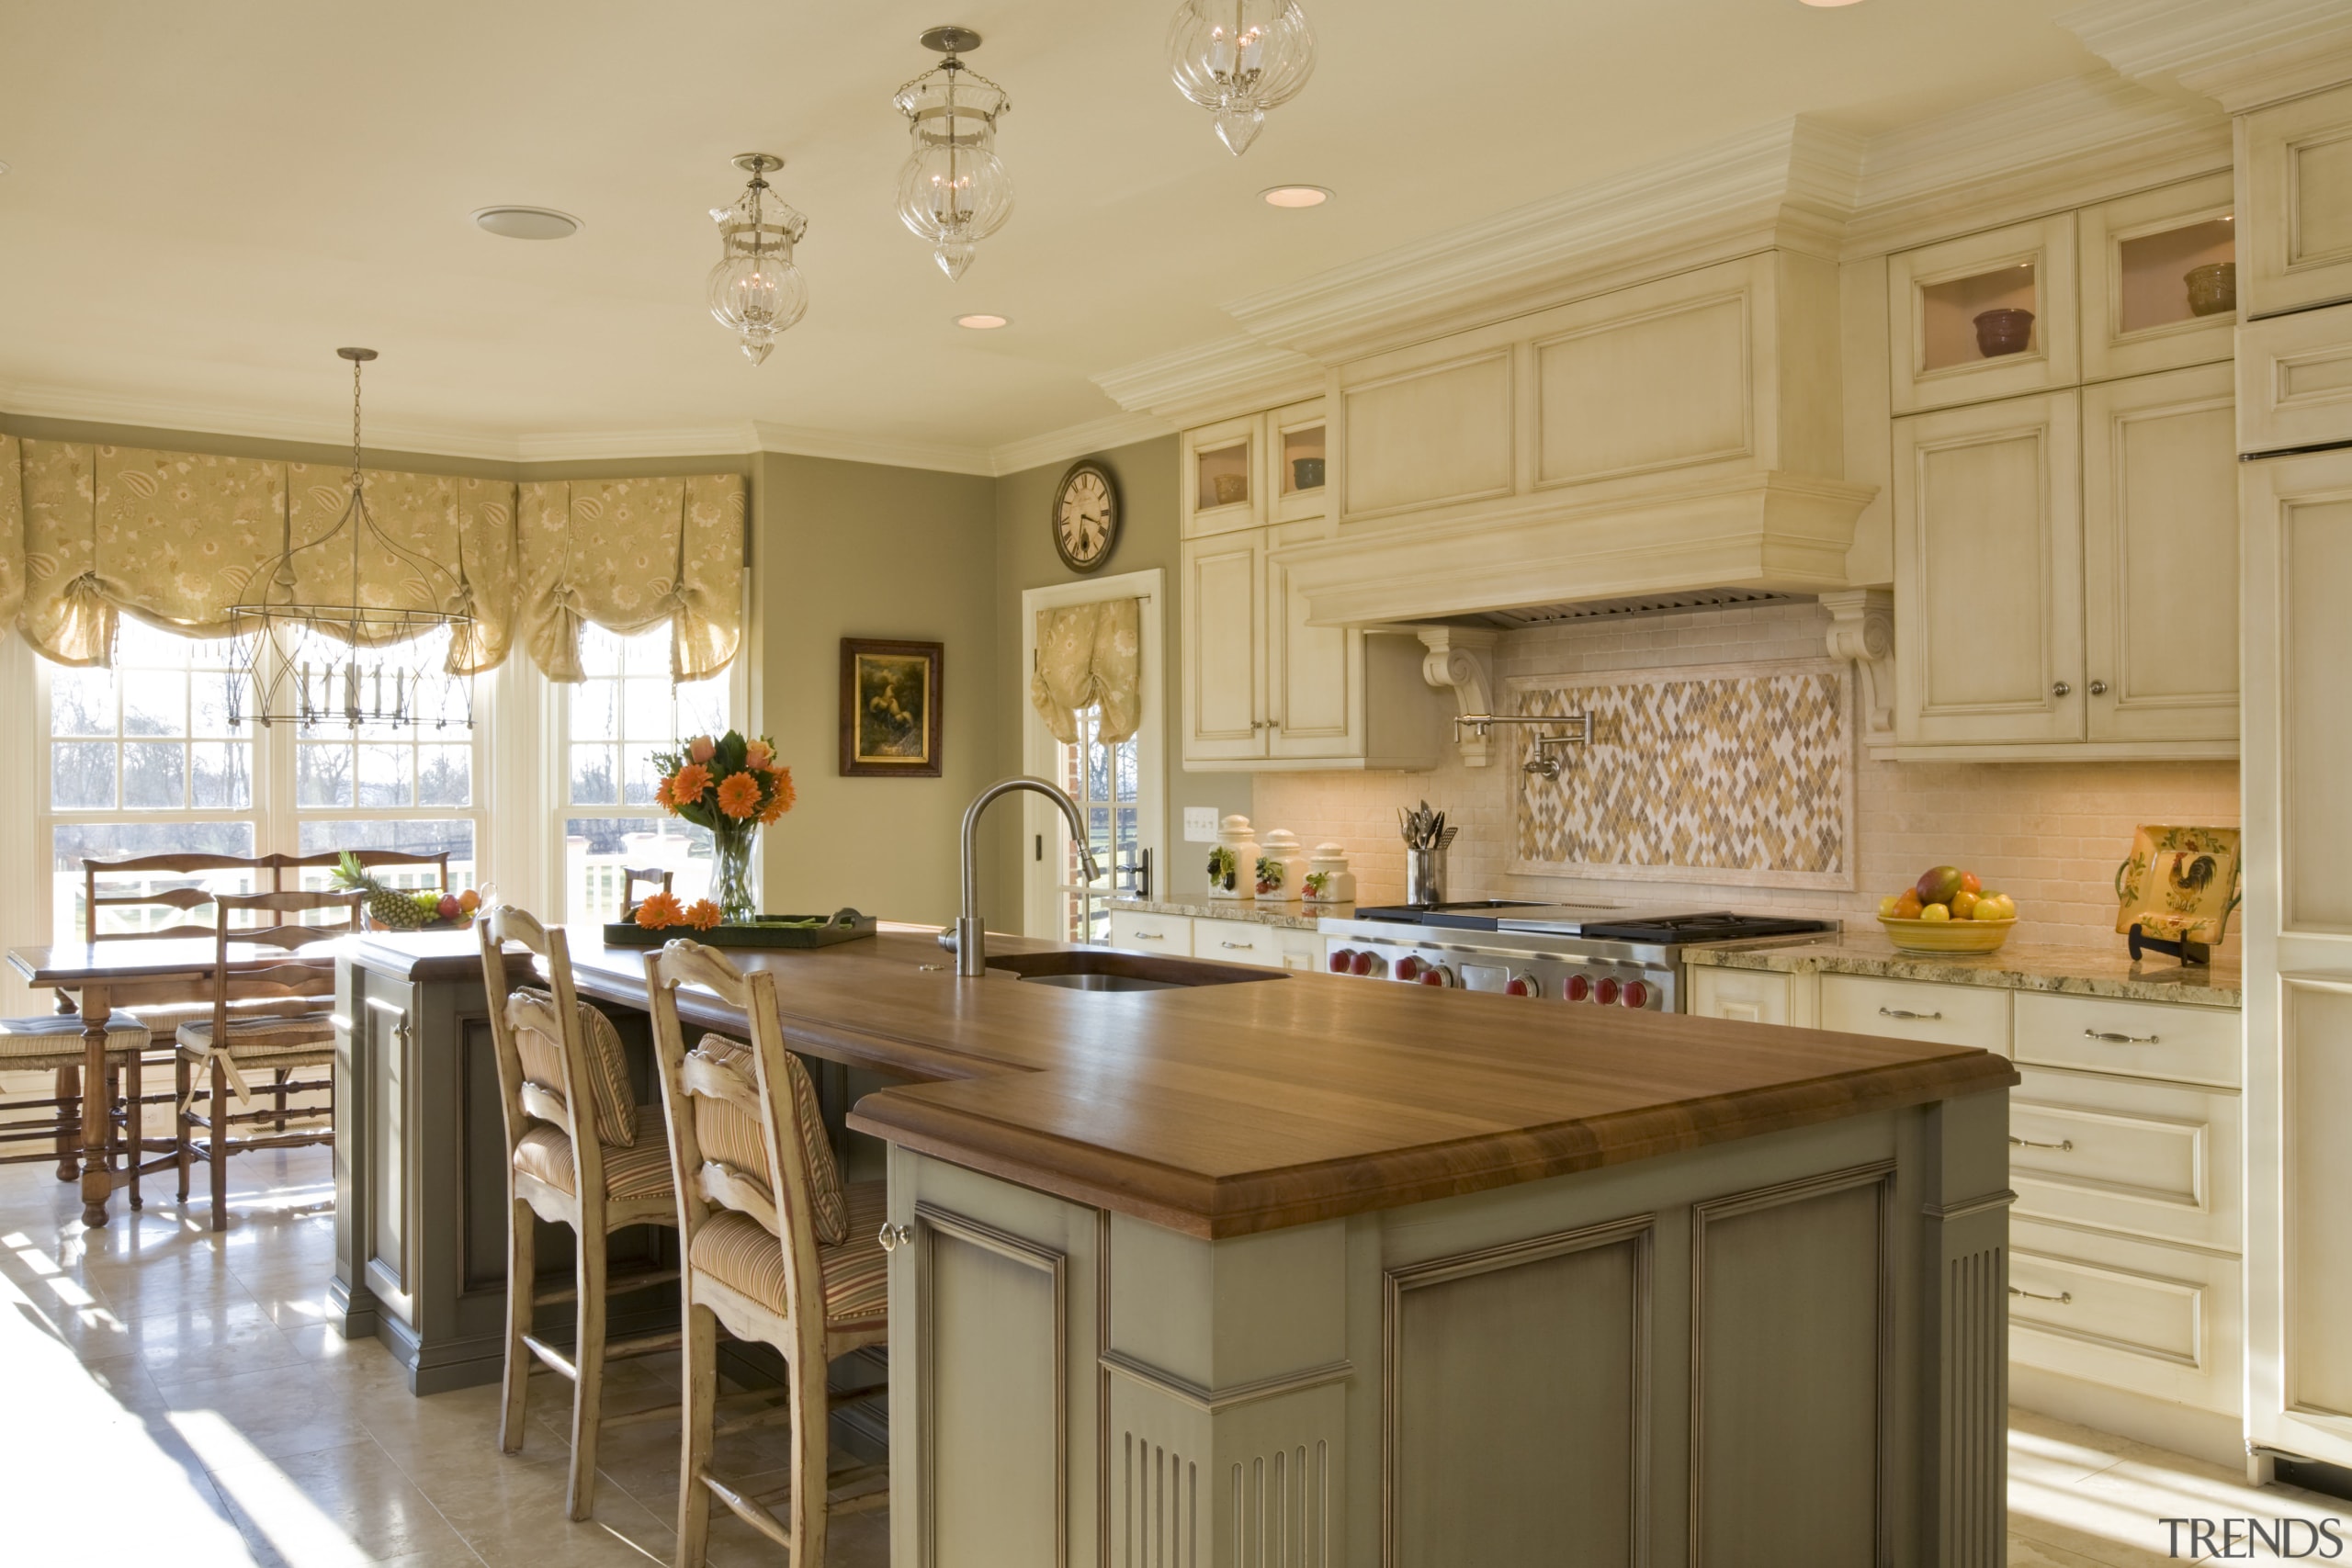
<point x="204" y="201"/>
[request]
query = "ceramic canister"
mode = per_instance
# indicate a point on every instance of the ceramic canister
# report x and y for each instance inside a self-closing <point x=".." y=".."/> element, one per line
<point x="1329" y="880"/>
<point x="1282" y="868"/>
<point x="1234" y="861"/>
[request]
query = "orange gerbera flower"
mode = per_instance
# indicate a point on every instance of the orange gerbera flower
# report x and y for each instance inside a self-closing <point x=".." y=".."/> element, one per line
<point x="661" y="793"/>
<point x="780" y="781"/>
<point x="738" y="796"/>
<point x="688" y="783"/>
<point x="660" y="909"/>
<point x="702" y="914"/>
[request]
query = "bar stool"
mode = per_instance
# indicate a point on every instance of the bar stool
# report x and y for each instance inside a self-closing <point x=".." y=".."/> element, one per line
<point x="557" y="1055"/>
<point x="778" y="1248"/>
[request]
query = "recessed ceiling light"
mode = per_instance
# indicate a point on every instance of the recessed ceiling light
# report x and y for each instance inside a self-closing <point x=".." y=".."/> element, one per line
<point x="1829" y="3"/>
<point x="1295" y="196"/>
<point x="527" y="222"/>
<point x="981" y="322"/>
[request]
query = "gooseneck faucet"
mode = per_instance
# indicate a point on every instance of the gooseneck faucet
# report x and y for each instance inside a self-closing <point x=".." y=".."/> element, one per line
<point x="968" y="941"/>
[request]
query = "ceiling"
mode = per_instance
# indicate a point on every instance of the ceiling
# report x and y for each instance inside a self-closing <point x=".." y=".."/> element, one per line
<point x="197" y="214"/>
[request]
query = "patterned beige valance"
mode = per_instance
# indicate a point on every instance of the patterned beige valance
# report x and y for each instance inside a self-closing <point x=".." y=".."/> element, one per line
<point x="1090" y="655"/>
<point x="12" y="532"/>
<point x="173" y="537"/>
<point x="628" y="555"/>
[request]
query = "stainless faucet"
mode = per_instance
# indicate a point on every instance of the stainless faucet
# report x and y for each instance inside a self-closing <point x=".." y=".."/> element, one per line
<point x="969" y="941"/>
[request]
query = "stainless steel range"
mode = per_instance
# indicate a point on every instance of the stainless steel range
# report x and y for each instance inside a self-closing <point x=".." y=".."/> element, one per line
<point x="1599" y="954"/>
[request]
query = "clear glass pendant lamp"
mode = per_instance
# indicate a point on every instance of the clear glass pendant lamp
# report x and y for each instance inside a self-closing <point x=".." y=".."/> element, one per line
<point x="1239" y="58"/>
<point x="954" y="190"/>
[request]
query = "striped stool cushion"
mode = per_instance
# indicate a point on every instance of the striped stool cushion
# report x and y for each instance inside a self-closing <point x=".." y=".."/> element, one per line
<point x="640" y="1171"/>
<point x="58" y="1033"/>
<point x="542" y="1055"/>
<point x="732" y="1139"/>
<point x="737" y="1250"/>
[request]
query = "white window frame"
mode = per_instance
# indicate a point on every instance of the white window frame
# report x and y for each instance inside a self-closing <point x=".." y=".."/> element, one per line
<point x="1041" y="884"/>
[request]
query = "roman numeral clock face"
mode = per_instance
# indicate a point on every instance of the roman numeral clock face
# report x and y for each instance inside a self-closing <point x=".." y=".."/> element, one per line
<point x="1086" y="517"/>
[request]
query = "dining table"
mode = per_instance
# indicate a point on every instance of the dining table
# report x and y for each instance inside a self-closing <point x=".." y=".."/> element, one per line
<point x="101" y="976"/>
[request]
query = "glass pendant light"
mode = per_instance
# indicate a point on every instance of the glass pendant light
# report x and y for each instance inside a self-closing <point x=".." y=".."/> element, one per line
<point x="755" y="291"/>
<point x="954" y="190"/>
<point x="1239" y="58"/>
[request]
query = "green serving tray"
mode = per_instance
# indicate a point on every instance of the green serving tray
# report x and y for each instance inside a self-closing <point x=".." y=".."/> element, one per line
<point x="768" y="931"/>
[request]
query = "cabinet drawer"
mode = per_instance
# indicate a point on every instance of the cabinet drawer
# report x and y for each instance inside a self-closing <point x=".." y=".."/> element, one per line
<point x="2154" y="1159"/>
<point x="2294" y="380"/>
<point x="1152" y="933"/>
<point x="1752" y="996"/>
<point x="2141" y="1040"/>
<point x="1916" y="1010"/>
<point x="1240" y="942"/>
<point x="2154" y="1320"/>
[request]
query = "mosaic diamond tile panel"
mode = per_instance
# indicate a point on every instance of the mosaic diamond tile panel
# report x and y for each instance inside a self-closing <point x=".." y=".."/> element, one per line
<point x="1741" y="775"/>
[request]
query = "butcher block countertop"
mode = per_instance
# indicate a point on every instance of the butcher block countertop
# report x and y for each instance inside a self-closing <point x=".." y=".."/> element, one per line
<point x="1225" y="1110"/>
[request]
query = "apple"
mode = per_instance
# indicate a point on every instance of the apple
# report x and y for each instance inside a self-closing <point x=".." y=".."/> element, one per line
<point x="1963" y="904"/>
<point x="1933" y="912"/>
<point x="448" y="907"/>
<point x="1938" y="885"/>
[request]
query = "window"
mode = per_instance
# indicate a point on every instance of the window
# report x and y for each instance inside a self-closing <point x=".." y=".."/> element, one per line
<point x="612" y="724"/>
<point x="408" y="787"/>
<point x="1101" y="778"/>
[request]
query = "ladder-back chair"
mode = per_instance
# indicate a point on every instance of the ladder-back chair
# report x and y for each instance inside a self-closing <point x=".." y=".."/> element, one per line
<point x="777" y="1248"/>
<point x="583" y="1152"/>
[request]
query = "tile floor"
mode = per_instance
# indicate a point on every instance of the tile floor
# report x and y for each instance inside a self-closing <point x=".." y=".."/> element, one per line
<point x="170" y="1394"/>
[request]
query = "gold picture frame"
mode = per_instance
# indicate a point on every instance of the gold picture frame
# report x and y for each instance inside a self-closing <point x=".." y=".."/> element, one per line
<point x="2179" y="884"/>
<point x="891" y="719"/>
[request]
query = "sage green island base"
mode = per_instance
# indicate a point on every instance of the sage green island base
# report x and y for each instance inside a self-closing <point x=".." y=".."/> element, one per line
<point x="1787" y="1349"/>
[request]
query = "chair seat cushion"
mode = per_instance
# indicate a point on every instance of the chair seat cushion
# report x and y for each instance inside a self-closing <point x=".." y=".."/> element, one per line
<point x="737" y="1250"/>
<point x="263" y="1035"/>
<point x="51" y="1033"/>
<point x="637" y="1170"/>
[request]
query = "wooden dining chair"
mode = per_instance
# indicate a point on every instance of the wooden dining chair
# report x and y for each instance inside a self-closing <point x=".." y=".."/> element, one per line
<point x="215" y="1052"/>
<point x="583" y="1152"/>
<point x="633" y="874"/>
<point x="777" y="1249"/>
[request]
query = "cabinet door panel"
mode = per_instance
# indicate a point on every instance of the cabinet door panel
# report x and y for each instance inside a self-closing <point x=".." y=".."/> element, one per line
<point x="1936" y="293"/>
<point x="2296" y="160"/>
<point x="1315" y="709"/>
<point x="1224" y="655"/>
<point x="2160" y="549"/>
<point x="1988" y="572"/>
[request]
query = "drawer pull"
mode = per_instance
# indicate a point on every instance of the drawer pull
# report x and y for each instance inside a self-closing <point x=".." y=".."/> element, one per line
<point x="1148" y="936"/>
<point x="1907" y="1014"/>
<point x="2111" y="1038"/>
<point x="2064" y="1298"/>
<point x="2066" y="1146"/>
<point x="1244" y="946"/>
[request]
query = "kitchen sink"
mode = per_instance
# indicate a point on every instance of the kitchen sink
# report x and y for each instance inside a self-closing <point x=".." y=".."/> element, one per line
<point x="1102" y="969"/>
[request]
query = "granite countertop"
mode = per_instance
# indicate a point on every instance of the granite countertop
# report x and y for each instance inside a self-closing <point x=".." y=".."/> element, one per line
<point x="2019" y="967"/>
<point x="1289" y="917"/>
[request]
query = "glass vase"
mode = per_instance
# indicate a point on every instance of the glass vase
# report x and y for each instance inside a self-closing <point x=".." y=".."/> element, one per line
<point x="730" y="872"/>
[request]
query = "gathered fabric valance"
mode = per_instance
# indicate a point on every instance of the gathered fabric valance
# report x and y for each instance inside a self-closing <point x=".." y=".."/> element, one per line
<point x="175" y="537"/>
<point x="630" y="555"/>
<point x="12" y="532"/>
<point x="1090" y="656"/>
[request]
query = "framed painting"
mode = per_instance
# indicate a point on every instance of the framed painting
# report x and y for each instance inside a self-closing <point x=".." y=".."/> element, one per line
<point x="890" y="708"/>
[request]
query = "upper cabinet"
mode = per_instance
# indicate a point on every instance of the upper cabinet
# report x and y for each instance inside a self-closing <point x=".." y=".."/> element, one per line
<point x="2295" y="159"/>
<point x="2157" y="270"/>
<point x="1224" y="489"/>
<point x="1294" y="454"/>
<point x="1987" y="315"/>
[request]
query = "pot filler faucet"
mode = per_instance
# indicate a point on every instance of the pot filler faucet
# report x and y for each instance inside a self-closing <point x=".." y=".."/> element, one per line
<point x="969" y="941"/>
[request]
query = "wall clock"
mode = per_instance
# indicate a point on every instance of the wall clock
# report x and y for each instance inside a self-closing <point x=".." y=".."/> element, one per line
<point x="1086" y="516"/>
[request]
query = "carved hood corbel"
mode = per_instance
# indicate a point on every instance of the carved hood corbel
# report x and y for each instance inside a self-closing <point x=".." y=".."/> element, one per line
<point x="1460" y="659"/>
<point x="1861" y="627"/>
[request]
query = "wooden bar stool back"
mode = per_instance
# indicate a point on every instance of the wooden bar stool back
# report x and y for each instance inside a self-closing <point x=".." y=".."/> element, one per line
<point x="273" y="1014"/>
<point x="777" y="1249"/>
<point x="581" y="1153"/>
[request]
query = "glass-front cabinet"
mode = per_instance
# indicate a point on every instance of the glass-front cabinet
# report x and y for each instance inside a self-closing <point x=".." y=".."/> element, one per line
<point x="1294" y="443"/>
<point x="2159" y="279"/>
<point x="1222" y="488"/>
<point x="1988" y="315"/>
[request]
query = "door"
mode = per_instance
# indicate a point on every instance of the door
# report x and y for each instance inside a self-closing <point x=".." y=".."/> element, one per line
<point x="1315" y="705"/>
<point x="2160" y="514"/>
<point x="1988" y="572"/>
<point x="2298" y="754"/>
<point x="1224" y="648"/>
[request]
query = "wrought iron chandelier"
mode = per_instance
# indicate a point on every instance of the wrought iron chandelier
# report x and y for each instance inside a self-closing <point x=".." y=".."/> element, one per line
<point x="1239" y="58"/>
<point x="954" y="191"/>
<point x="314" y="650"/>
<point x="756" y="290"/>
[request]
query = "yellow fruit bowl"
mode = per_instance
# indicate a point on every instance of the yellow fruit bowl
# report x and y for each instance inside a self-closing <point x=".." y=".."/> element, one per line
<point x="1947" y="936"/>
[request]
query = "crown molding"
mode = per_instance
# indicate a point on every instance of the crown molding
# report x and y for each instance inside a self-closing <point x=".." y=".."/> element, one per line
<point x="1075" y="440"/>
<point x="2062" y="144"/>
<point x="1194" y="385"/>
<point x="800" y="441"/>
<point x="1788" y="183"/>
<point x="2244" y="55"/>
<point x="164" y="416"/>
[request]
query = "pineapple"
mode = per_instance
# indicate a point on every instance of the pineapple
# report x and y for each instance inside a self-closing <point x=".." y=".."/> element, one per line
<point x="391" y="909"/>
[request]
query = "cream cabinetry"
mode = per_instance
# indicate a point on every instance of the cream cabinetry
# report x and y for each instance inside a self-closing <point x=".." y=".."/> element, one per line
<point x="1147" y="932"/>
<point x="1753" y="996"/>
<point x="2139" y="309"/>
<point x="2295" y="380"/>
<point x="1226" y="941"/>
<point x="1937" y="294"/>
<point x="2295" y="162"/>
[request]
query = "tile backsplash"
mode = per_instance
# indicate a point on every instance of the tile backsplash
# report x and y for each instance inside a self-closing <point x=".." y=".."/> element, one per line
<point x="2049" y="834"/>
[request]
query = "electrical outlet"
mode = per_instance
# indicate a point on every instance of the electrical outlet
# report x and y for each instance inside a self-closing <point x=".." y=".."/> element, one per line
<point x="1200" y="824"/>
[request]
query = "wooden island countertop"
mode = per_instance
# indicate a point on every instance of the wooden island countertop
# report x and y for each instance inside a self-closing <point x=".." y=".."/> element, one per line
<point x="1225" y="1109"/>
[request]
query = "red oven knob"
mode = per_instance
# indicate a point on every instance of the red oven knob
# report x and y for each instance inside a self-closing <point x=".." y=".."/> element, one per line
<point x="1366" y="963"/>
<point x="1408" y="967"/>
<point x="1434" y="975"/>
<point x="1343" y="961"/>
<point x="1577" y="988"/>
<point x="1606" y="992"/>
<point x="1635" y="995"/>
<point x="1523" y="985"/>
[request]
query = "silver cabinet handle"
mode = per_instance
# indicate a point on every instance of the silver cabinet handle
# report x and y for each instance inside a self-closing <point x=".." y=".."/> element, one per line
<point x="2059" y="688"/>
<point x="892" y="1236"/>
<point x="1908" y="1013"/>
<point x="1244" y="946"/>
<point x="2111" y="1038"/>
<point x="2067" y="1146"/>
<point x="2064" y="1298"/>
<point x="2098" y="688"/>
<point x="1148" y="936"/>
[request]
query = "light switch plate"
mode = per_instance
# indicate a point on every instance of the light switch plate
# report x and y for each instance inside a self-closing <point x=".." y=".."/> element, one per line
<point x="1200" y="824"/>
